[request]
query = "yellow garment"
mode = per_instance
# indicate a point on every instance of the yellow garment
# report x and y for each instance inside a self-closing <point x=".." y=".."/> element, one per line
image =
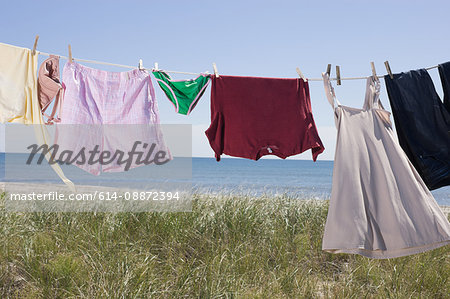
<point x="18" y="94"/>
<point x="18" y="77"/>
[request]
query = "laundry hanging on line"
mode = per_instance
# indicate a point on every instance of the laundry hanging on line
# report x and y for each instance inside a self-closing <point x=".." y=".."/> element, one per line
<point x="110" y="109"/>
<point x="422" y="122"/>
<point x="18" y="95"/>
<point x="286" y="102"/>
<point x="379" y="205"/>
<point x="184" y="94"/>
<point x="49" y="88"/>
<point x="252" y="117"/>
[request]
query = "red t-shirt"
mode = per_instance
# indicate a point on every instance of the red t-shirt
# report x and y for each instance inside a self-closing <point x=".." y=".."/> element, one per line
<point x="252" y="117"/>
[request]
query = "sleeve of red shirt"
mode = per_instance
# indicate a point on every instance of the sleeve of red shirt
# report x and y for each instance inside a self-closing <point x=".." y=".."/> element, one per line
<point x="215" y="135"/>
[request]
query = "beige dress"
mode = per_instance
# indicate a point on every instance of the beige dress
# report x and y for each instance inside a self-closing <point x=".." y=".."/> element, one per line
<point x="379" y="206"/>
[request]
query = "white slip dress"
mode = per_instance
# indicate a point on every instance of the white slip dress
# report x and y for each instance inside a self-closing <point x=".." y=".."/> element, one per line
<point x="379" y="206"/>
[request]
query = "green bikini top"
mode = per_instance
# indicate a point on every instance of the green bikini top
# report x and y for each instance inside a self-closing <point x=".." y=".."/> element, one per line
<point x="184" y="94"/>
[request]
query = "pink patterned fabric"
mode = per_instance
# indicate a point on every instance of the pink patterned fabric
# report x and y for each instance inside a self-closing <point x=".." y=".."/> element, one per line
<point x="49" y="88"/>
<point x="99" y="97"/>
<point x="110" y="109"/>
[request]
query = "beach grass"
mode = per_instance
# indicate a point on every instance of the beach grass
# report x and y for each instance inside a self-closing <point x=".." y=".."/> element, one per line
<point x="229" y="246"/>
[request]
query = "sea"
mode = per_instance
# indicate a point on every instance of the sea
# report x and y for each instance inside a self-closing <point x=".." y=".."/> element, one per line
<point x="300" y="179"/>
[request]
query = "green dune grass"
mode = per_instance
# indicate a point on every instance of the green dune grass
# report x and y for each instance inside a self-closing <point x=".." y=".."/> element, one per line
<point x="227" y="247"/>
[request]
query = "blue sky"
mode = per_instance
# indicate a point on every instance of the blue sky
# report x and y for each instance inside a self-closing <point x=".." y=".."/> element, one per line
<point x="249" y="38"/>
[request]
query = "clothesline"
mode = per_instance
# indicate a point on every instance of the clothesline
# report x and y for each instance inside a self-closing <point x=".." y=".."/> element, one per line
<point x="190" y="73"/>
<point x="362" y="78"/>
<point x="111" y="64"/>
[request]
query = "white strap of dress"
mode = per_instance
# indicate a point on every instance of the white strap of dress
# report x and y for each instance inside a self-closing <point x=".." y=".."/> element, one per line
<point x="376" y="99"/>
<point x="373" y="93"/>
<point x="329" y="91"/>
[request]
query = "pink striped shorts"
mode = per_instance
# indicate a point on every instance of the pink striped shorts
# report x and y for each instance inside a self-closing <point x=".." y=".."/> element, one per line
<point x="112" y="110"/>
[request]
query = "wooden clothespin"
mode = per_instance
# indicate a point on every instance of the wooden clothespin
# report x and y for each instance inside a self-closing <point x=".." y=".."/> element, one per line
<point x="338" y="75"/>
<point x="329" y="69"/>
<point x="156" y="66"/>
<point x="374" y="72"/>
<point x="300" y="74"/>
<point x="216" y="72"/>
<point x="388" y="69"/>
<point x="33" y="52"/>
<point x="140" y="66"/>
<point x="70" y="54"/>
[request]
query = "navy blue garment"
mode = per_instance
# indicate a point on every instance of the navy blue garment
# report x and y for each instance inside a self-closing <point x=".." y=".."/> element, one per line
<point x="423" y="122"/>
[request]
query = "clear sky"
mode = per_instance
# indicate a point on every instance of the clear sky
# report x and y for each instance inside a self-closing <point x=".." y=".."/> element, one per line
<point x="249" y="38"/>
